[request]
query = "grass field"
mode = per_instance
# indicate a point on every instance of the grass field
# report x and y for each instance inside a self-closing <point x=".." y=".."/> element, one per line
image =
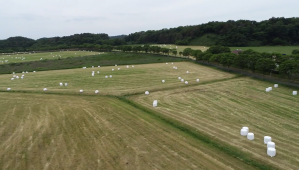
<point x="130" y="80"/>
<point x="182" y="47"/>
<point x="195" y="126"/>
<point x="270" y="49"/>
<point x="17" y="58"/>
<point x="221" y="109"/>
<point x="84" y="132"/>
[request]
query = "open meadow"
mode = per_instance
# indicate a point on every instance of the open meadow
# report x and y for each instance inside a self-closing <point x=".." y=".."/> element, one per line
<point x="25" y="57"/>
<point x="196" y="125"/>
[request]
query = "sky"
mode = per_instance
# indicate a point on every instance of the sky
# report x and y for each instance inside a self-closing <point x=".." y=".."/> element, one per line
<point x="49" y="18"/>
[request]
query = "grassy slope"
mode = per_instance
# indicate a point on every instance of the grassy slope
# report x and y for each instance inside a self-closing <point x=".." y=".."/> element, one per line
<point x="268" y="49"/>
<point x="20" y="58"/>
<point x="205" y="40"/>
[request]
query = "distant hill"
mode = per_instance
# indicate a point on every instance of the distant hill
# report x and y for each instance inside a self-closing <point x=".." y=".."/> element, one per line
<point x="275" y="31"/>
<point x="118" y="36"/>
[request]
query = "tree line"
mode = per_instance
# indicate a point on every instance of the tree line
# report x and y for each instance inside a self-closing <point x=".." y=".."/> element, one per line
<point x="275" y="31"/>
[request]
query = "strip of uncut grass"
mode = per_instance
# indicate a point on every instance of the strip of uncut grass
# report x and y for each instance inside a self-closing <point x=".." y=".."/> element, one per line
<point x="230" y="150"/>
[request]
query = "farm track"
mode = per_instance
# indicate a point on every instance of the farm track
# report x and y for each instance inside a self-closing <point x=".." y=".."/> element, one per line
<point x="70" y="132"/>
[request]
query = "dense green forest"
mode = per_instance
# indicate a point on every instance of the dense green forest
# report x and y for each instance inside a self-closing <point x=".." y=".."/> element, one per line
<point x="275" y="31"/>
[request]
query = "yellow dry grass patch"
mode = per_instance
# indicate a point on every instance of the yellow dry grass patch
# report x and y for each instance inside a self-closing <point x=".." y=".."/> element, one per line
<point x="40" y="131"/>
<point x="139" y="79"/>
<point x="221" y="109"/>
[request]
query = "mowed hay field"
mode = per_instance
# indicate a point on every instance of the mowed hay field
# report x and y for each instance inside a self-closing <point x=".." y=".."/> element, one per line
<point x="17" y="58"/>
<point x="46" y="131"/>
<point x="221" y="109"/>
<point x="137" y="79"/>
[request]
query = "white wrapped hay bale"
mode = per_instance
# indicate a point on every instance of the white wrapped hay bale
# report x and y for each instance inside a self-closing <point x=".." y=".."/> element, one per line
<point x="244" y="132"/>
<point x="171" y="63"/>
<point x="179" y="78"/>
<point x="267" y="139"/>
<point x="106" y="76"/>
<point x="294" y="93"/>
<point x="98" y="72"/>
<point x="250" y="136"/>
<point x="99" y="66"/>
<point x="163" y="81"/>
<point x="186" y="82"/>
<point x="187" y="72"/>
<point x="127" y="66"/>
<point x="112" y="69"/>
<point x="8" y="89"/>
<point x="92" y="66"/>
<point x="17" y="77"/>
<point x="118" y="69"/>
<point x="61" y="84"/>
<point x="96" y="92"/>
<point x="270" y="88"/>
<point x="115" y="64"/>
<point x="182" y="80"/>
<point x="155" y="103"/>
<point x="26" y="71"/>
<point x="81" y="91"/>
<point x="13" y="73"/>
<point x="65" y="84"/>
<point x="84" y="67"/>
<point x="267" y="90"/>
<point x="271" y="152"/>
<point x="197" y="80"/>
<point x="45" y="89"/>
<point x="12" y="78"/>
<point x="166" y="63"/>
<point x="146" y="93"/>
<point x="275" y="85"/>
<point x="34" y="71"/>
<point x="110" y="76"/>
<point x="270" y="145"/>
<point x="133" y="66"/>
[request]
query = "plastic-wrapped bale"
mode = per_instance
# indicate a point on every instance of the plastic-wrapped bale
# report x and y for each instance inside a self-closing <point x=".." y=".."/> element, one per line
<point x="267" y="90"/>
<point x="45" y="89"/>
<point x="22" y="77"/>
<point x="146" y="93"/>
<point x="197" y="80"/>
<point x="176" y="68"/>
<point x="127" y="66"/>
<point x="163" y="81"/>
<point x="112" y="69"/>
<point x="92" y="66"/>
<point x="99" y="66"/>
<point x="267" y="139"/>
<point x="81" y="91"/>
<point x="270" y="88"/>
<point x="179" y="78"/>
<point x="65" y="84"/>
<point x="17" y="77"/>
<point x="294" y="93"/>
<point x="250" y="136"/>
<point x="115" y="64"/>
<point x="8" y="89"/>
<point x="275" y="85"/>
<point x="270" y="145"/>
<point x="13" y="73"/>
<point x="26" y="71"/>
<point x="171" y="63"/>
<point x="186" y="82"/>
<point x="12" y="78"/>
<point x="245" y="127"/>
<point x="61" y="84"/>
<point x="84" y="67"/>
<point x="96" y="92"/>
<point x="271" y="152"/>
<point x="155" y="103"/>
<point x="244" y="132"/>
<point x="187" y="72"/>
<point x="166" y="63"/>
<point x="98" y="72"/>
<point x="110" y="76"/>
<point x="34" y="71"/>
<point x="118" y="69"/>
<point x="173" y="67"/>
<point x="106" y="76"/>
<point x="92" y="74"/>
<point x="182" y="80"/>
<point x="133" y="66"/>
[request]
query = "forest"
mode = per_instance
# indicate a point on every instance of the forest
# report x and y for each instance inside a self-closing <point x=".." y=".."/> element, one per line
<point x="272" y="32"/>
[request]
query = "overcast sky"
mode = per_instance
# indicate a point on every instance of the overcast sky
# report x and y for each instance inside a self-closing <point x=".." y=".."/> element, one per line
<point x="49" y="18"/>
